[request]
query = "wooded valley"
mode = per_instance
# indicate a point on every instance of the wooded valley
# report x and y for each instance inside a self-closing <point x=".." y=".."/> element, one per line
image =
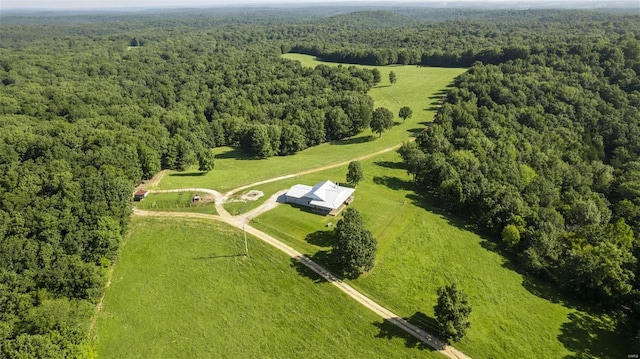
<point x="537" y="144"/>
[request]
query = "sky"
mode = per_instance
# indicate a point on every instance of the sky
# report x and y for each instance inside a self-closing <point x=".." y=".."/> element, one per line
<point x="93" y="4"/>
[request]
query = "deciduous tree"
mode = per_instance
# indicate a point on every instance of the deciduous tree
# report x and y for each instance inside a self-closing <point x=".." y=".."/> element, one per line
<point x="405" y="113"/>
<point x="376" y="76"/>
<point x="355" y="248"/>
<point x="392" y="77"/>
<point x="354" y="173"/>
<point x="206" y="160"/>
<point x="452" y="312"/>
<point x="381" y="120"/>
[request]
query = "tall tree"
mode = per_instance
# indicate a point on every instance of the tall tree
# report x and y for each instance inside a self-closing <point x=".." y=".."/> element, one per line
<point x="405" y="113"/>
<point x="291" y="140"/>
<point x="377" y="77"/>
<point x="354" y="173"/>
<point x="261" y="142"/>
<point x="355" y="248"/>
<point x="452" y="312"/>
<point x="413" y="157"/>
<point x="392" y="77"/>
<point x="206" y="160"/>
<point x="381" y="120"/>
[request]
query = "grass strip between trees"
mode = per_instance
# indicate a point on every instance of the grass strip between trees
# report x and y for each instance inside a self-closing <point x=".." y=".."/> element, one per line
<point x="420" y="88"/>
<point x="421" y="248"/>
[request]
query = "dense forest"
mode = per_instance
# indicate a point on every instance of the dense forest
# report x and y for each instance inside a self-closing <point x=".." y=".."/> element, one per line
<point x="543" y="153"/>
<point x="537" y="144"/>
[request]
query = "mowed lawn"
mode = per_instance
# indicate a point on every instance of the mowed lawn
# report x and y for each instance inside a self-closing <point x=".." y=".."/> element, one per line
<point x="182" y="289"/>
<point x="421" y="249"/>
<point x="178" y="202"/>
<point x="416" y="87"/>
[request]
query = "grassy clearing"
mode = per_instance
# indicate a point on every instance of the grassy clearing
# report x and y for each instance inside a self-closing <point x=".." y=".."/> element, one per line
<point x="237" y="205"/>
<point x="336" y="175"/>
<point x="178" y="202"/>
<point x="416" y="87"/>
<point x="420" y="249"/>
<point x="181" y="290"/>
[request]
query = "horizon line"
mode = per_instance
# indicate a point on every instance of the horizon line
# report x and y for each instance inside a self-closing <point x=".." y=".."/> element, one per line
<point x="441" y="4"/>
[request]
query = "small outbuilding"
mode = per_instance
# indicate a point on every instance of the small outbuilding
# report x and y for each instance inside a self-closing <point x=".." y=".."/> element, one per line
<point x="140" y="195"/>
<point x="325" y="197"/>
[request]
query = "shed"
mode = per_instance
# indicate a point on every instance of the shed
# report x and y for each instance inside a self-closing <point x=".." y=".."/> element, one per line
<point x="140" y="195"/>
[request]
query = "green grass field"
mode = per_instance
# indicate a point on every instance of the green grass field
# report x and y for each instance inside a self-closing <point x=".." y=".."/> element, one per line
<point x="421" y="249"/>
<point x="182" y="289"/>
<point x="416" y="87"/>
<point x="178" y="202"/>
<point x="236" y="205"/>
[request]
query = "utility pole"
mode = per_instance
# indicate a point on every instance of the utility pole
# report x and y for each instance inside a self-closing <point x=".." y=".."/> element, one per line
<point x="246" y="247"/>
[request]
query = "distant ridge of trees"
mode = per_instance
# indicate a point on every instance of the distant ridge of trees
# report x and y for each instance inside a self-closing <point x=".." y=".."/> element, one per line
<point x="544" y="155"/>
<point x="537" y="143"/>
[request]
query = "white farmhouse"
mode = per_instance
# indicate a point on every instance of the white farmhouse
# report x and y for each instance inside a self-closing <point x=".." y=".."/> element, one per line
<point x="325" y="197"/>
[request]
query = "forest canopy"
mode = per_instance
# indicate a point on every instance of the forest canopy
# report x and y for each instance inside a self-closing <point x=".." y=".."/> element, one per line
<point x="538" y="143"/>
<point x="543" y="154"/>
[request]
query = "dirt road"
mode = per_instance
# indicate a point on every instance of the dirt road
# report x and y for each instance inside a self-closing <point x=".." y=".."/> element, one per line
<point x="241" y="223"/>
<point x="386" y="314"/>
<point x="313" y="170"/>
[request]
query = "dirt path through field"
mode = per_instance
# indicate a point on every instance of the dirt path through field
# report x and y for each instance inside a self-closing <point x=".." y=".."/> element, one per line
<point x="313" y="170"/>
<point x="386" y="314"/>
<point x="240" y="222"/>
<point x="152" y="182"/>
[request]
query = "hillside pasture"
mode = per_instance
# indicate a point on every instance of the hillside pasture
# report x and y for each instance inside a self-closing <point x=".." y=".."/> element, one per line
<point x="420" y="88"/>
<point x="184" y="289"/>
<point x="421" y="248"/>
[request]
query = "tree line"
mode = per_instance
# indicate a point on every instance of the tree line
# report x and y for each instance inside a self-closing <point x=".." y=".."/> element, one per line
<point x="455" y="42"/>
<point x="544" y="156"/>
<point x="85" y="119"/>
<point x="91" y="106"/>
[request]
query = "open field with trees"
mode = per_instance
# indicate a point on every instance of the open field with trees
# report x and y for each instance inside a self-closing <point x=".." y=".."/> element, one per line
<point x="416" y="87"/>
<point x="536" y="147"/>
<point x="421" y="248"/>
<point x="199" y="296"/>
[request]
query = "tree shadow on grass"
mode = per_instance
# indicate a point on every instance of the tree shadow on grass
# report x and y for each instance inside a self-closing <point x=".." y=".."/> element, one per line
<point x="390" y="164"/>
<point x="590" y="332"/>
<point x="393" y="183"/>
<point x="438" y="95"/>
<point x="354" y="140"/>
<point x="187" y="174"/>
<point x="535" y="285"/>
<point x="324" y="259"/>
<point x="415" y="131"/>
<point x="388" y="330"/>
<point x="234" y="152"/>
<point x="320" y="238"/>
<point x="429" y="204"/>
<point x="306" y="272"/>
<point x="539" y="287"/>
<point x="591" y="337"/>
<point x="237" y="153"/>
